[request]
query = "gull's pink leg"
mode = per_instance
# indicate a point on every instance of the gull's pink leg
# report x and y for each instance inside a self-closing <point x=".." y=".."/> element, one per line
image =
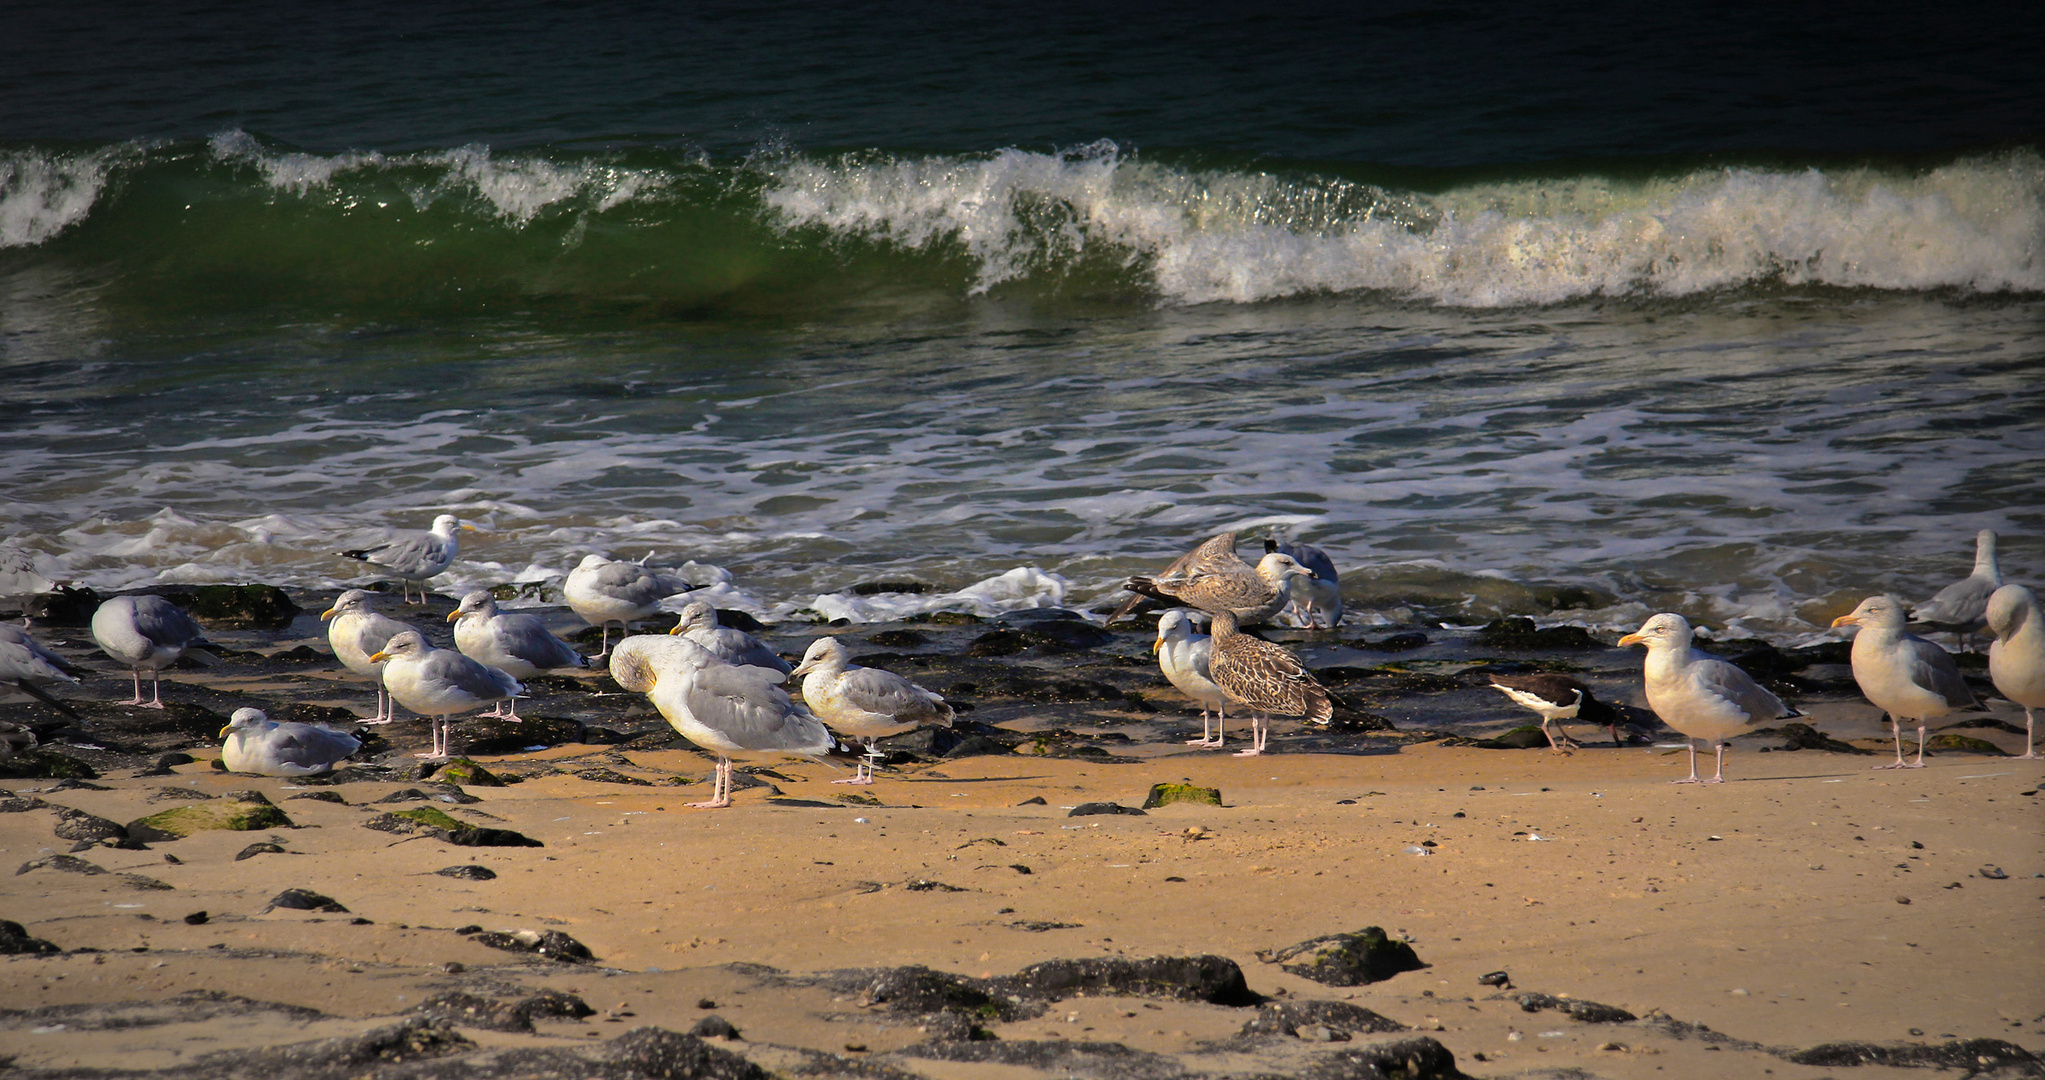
<point x="1258" y="733"/>
<point x="1206" y="730"/>
<point x="2030" y="749"/>
<point x="137" y="699"/>
<point x="1718" y="776"/>
<point x="1896" y="726"/>
<point x="155" y="691"/>
<point x="862" y="773"/>
<point x="720" y="793"/>
<point x="1919" y="763"/>
<point x="1693" y="765"/>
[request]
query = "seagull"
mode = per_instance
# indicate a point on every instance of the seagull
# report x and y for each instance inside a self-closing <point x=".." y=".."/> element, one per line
<point x="729" y="710"/>
<point x="437" y="683"/>
<point x="414" y="557"/>
<point x="698" y="622"/>
<point x="1701" y="697"/>
<point x="1959" y="607"/>
<point x="862" y="702"/>
<point x="27" y="666"/>
<point x="1183" y="657"/>
<point x="1213" y="578"/>
<point x="357" y="629"/>
<point x="521" y="646"/>
<point x="1904" y="675"/>
<point x="1557" y="698"/>
<point x="605" y="592"/>
<point x="1264" y="678"/>
<point x="146" y="633"/>
<point x="2016" y="659"/>
<point x="257" y="744"/>
<point x="1311" y="597"/>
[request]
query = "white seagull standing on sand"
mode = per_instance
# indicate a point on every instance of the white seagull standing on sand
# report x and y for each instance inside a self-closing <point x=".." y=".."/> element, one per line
<point x="28" y="667"/>
<point x="438" y="683"/>
<point x="698" y="622"/>
<point x="1904" y="675"/>
<point x="604" y="592"/>
<point x="2016" y="659"/>
<point x="414" y="557"/>
<point x="146" y="633"/>
<point x="518" y="645"/>
<point x="257" y="744"/>
<point x="1183" y="657"/>
<point x="862" y="702"/>
<point x="728" y="710"/>
<point x="1701" y="697"/>
<point x="1961" y="606"/>
<point x="357" y="629"/>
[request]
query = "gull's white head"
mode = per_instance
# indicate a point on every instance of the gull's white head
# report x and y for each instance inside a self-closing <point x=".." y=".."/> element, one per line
<point x="243" y="719"/>
<point x="1173" y="625"/>
<point x="823" y="654"/>
<point x="479" y="603"/>
<point x="2009" y="608"/>
<point x="408" y="643"/>
<point x="1880" y="612"/>
<point x="695" y="615"/>
<point x="1664" y="631"/>
<point x="1278" y="568"/>
<point x="591" y="561"/>
<point x="350" y="602"/>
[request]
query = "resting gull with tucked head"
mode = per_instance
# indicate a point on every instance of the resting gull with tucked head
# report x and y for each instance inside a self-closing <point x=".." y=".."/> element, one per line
<point x="257" y="744"/>
<point x="2016" y="659"/>
<point x="604" y="591"/>
<point x="146" y="633"/>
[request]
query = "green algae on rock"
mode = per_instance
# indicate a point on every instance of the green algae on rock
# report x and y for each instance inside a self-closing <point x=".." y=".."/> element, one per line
<point x="218" y="814"/>
<point x="1163" y="794"/>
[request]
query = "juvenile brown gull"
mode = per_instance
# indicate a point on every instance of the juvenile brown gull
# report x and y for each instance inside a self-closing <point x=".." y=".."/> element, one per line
<point x="416" y="556"/>
<point x="1264" y="678"/>
<point x="698" y="622"/>
<point x="257" y="744"/>
<point x="1557" y="698"/>
<point x="1214" y="579"/>
<point x="604" y="591"/>
<point x="146" y="633"/>
<point x="518" y="645"/>
<point x="1701" y="697"/>
<point x="355" y="630"/>
<point x="1183" y="657"/>
<point x="862" y="702"/>
<point x="1959" y="608"/>
<point x="2016" y="659"/>
<point x="438" y="683"/>
<point x="1215" y="555"/>
<point x="1904" y="675"/>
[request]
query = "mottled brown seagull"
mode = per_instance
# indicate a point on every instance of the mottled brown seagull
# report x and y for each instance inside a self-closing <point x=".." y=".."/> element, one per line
<point x="1264" y="678"/>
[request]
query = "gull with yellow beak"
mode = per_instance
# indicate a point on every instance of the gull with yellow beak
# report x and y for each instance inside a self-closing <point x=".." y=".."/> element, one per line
<point x="257" y="744"/>
<point x="1902" y="674"/>
<point x="1182" y="656"/>
<point x="1701" y="697"/>
<point x="438" y="683"/>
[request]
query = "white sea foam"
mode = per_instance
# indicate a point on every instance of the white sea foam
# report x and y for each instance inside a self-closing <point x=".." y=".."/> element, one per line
<point x="1976" y="224"/>
<point x="43" y="192"/>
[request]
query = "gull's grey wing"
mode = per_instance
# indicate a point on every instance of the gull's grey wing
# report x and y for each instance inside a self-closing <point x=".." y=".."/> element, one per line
<point x="527" y="638"/>
<point x="452" y="669"/>
<point x="304" y="744"/>
<point x="888" y="694"/>
<point x="1738" y="689"/>
<point x="1934" y="669"/>
<point x="1962" y="602"/>
<point x="405" y="554"/>
<point x="742" y="704"/>
<point x="164" y="623"/>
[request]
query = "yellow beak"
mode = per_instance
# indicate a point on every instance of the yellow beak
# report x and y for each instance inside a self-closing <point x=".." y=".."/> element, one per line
<point x="1631" y="639"/>
<point x="453" y="615"/>
<point x="225" y="730"/>
<point x="378" y="657"/>
<point x="676" y="629"/>
<point x="474" y="528"/>
<point x="1845" y="620"/>
<point x="1156" y="645"/>
<point x="329" y="613"/>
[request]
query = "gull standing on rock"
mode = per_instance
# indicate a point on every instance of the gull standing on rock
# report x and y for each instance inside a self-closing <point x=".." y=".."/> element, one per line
<point x="257" y="744"/>
<point x="729" y="710"/>
<point x="438" y="683"/>
<point x="862" y="702"/>
<point x="2016" y="659"/>
<point x="1904" y="675"/>
<point x="1557" y="698"/>
<point x="698" y="622"/>
<point x="518" y="645"/>
<point x="146" y="633"/>
<point x="355" y="631"/>
<point x="414" y="557"/>
<point x="1701" y="697"/>
<point x="28" y="667"/>
<point x="605" y="592"/>
<point x="1314" y="597"/>
<point x="1251" y="594"/>
<point x="1183" y="657"/>
<point x="1960" y="607"/>
<point x="1264" y="678"/>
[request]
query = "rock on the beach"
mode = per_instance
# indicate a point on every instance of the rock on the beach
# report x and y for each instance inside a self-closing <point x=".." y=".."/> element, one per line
<point x="1952" y="742"/>
<point x="1288" y="1017"/>
<point x="415" y="1039"/>
<point x="1806" y="737"/>
<point x="468" y="1010"/>
<point x="217" y="814"/>
<point x="253" y="850"/>
<point x="1352" y="959"/>
<point x="468" y="872"/>
<point x="1974" y="1055"/>
<point x="1092" y="809"/>
<point x="1590" y="1012"/>
<point x="262" y="607"/>
<point x="70" y="864"/>
<point x="1165" y="794"/>
<point x="14" y="941"/>
<point x="658" y="1052"/>
<point x="1517" y="632"/>
<point x="79" y="825"/>
<point x="1418" y="1058"/>
<point x="552" y="944"/>
<point x="1213" y="979"/>
<point x="916" y="990"/>
<point x="45" y="764"/>
<point x="306" y="900"/>
<point x="463" y="771"/>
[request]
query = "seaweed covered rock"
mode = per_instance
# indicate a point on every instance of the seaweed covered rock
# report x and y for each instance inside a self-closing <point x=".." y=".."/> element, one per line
<point x="1288" y="1017"/>
<point x="552" y="944"/>
<point x="44" y="764"/>
<point x="1166" y="794"/>
<point x="1352" y="959"/>
<point x="652" y="1051"/>
<point x="1213" y="979"/>
<point x="1518" y="632"/>
<point x="1590" y="1012"/>
<point x="263" y="607"/>
<point x="216" y="814"/>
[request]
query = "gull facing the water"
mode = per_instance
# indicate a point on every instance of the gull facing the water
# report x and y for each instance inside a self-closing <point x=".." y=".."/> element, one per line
<point x="1183" y="656"/>
<point x="257" y="744"/>
<point x="1701" y="697"/>
<point x="604" y="592"/>
<point x="518" y="645"/>
<point x="1264" y="678"/>
<point x="1960" y="607"/>
<point x="698" y="622"/>
<point x="414" y="557"/>
<point x="2016" y="658"/>
<point x="438" y="683"/>
<point x="1904" y="675"/>
<point x="27" y="667"/>
<point x="1557" y="698"/>
<point x="355" y="631"/>
<point x="862" y="702"/>
<point x="146" y="633"/>
<point x="731" y="711"/>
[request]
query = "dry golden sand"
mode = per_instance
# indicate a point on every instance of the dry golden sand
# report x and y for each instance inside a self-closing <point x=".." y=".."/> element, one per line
<point x="1789" y="907"/>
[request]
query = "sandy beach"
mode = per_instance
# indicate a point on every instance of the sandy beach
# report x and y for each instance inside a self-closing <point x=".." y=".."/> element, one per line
<point x="1810" y="900"/>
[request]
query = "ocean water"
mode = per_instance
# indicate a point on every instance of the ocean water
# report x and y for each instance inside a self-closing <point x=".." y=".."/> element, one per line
<point x="1581" y="319"/>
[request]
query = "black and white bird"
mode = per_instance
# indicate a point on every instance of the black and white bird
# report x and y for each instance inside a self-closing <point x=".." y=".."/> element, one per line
<point x="355" y="630"/>
<point x="1961" y="608"/>
<point x="413" y="557"/>
<point x="1905" y="676"/>
<point x="439" y="683"/>
<point x="27" y="667"/>
<point x="147" y="633"/>
<point x="1557" y="698"/>
<point x="1266" y="679"/>
<point x="514" y="643"/>
<point x="1702" y="697"/>
<point x="2016" y="659"/>
<point x="605" y="591"/>
<point x="257" y="744"/>
<point x="864" y="703"/>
